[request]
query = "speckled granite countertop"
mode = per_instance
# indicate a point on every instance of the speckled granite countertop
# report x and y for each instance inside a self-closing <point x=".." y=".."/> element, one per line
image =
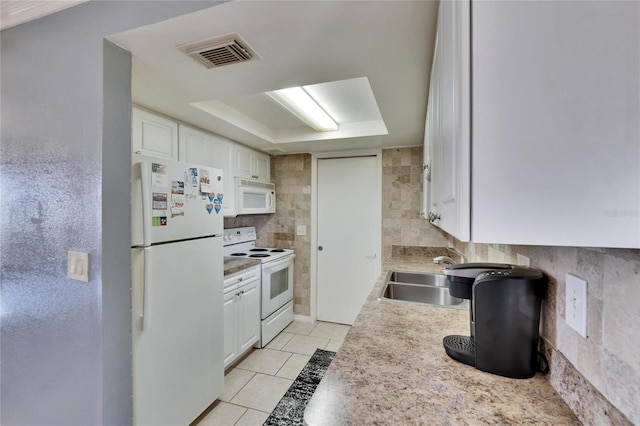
<point x="233" y="265"/>
<point x="392" y="369"/>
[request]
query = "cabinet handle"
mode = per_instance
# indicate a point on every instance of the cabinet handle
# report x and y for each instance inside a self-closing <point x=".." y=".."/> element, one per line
<point x="433" y="217"/>
<point x="240" y="279"/>
<point x="320" y="248"/>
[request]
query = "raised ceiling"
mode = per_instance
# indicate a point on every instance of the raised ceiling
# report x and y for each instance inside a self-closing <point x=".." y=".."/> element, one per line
<point x="385" y="45"/>
<point x="367" y="62"/>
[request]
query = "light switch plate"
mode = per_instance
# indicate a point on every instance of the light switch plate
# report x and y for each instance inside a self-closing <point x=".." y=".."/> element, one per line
<point x="576" y="304"/>
<point x="78" y="266"/>
<point x="301" y="230"/>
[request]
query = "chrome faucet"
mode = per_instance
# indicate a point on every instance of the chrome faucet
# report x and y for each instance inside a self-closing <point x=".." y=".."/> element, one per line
<point x="463" y="258"/>
<point x="443" y="260"/>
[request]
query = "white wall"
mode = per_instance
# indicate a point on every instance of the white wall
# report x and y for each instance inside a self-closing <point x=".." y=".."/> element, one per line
<point x="64" y="164"/>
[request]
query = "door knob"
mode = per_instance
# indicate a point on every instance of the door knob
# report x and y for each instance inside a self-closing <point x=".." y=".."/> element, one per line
<point x="319" y="248"/>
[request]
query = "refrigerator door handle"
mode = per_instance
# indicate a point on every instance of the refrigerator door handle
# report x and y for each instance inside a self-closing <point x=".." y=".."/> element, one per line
<point x="144" y="316"/>
<point x="145" y="179"/>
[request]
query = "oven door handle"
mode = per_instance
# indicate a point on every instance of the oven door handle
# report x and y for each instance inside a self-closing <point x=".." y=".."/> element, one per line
<point x="268" y="267"/>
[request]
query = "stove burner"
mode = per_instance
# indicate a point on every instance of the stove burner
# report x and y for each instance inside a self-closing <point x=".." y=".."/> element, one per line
<point x="259" y="249"/>
<point x="238" y="254"/>
<point x="259" y="255"/>
<point x="277" y="251"/>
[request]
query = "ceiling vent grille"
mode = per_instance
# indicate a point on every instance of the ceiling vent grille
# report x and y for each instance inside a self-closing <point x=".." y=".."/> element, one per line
<point x="219" y="51"/>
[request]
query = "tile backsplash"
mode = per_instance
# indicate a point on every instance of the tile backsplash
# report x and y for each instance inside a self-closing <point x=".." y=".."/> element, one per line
<point x="292" y="176"/>
<point x="402" y="202"/>
<point x="609" y="357"/>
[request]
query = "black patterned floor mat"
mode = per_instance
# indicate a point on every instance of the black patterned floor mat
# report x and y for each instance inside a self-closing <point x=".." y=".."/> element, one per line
<point x="290" y="409"/>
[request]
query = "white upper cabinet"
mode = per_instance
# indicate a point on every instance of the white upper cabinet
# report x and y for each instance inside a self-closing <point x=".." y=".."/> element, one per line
<point x="251" y="164"/>
<point x="154" y="135"/>
<point x="263" y="166"/>
<point x="198" y="147"/>
<point x="447" y="127"/>
<point x="555" y="123"/>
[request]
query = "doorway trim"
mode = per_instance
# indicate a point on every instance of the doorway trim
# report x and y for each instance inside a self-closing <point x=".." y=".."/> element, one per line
<point x="313" y="291"/>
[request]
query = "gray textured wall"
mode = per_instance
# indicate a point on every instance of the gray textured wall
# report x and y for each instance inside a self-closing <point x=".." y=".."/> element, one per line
<point x="64" y="161"/>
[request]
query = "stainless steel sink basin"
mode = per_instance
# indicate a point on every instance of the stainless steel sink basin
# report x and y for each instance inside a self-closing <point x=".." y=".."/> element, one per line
<point x="438" y="280"/>
<point x="415" y="287"/>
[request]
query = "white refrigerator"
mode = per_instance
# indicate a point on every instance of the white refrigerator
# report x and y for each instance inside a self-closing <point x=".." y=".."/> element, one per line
<point x="177" y="273"/>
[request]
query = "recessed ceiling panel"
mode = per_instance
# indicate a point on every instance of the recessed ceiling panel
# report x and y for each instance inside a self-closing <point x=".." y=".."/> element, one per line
<point x="350" y="103"/>
<point x="264" y="110"/>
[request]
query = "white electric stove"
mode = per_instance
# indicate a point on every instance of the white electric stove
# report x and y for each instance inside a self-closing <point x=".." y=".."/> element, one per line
<point x="277" y="278"/>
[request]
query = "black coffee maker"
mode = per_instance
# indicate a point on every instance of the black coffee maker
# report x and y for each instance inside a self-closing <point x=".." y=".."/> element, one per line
<point x="504" y="317"/>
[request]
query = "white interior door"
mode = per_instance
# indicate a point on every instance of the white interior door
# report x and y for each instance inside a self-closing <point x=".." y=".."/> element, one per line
<point x="349" y="225"/>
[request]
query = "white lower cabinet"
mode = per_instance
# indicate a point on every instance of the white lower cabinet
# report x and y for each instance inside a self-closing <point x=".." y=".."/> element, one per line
<point x="241" y="313"/>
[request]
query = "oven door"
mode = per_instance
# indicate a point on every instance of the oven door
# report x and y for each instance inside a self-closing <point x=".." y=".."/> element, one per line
<point x="277" y="284"/>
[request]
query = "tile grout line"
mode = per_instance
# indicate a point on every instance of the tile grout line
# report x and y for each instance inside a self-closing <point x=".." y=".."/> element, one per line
<point x="316" y="326"/>
<point x="241" y="387"/>
<point x="283" y="364"/>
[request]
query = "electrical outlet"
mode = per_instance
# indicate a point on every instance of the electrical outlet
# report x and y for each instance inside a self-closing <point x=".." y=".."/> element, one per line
<point x="576" y="304"/>
<point x="301" y="230"/>
<point x="78" y="266"/>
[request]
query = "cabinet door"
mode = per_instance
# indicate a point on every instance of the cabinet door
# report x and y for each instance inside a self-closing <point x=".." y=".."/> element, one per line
<point x="262" y="165"/>
<point x="230" y="327"/>
<point x="556" y="123"/>
<point x="429" y="210"/>
<point x="153" y="135"/>
<point x="450" y="147"/>
<point x="249" y="315"/>
<point x="194" y="146"/>
<point x="221" y="156"/>
<point x="252" y="164"/>
<point x="209" y="150"/>
<point x="243" y="162"/>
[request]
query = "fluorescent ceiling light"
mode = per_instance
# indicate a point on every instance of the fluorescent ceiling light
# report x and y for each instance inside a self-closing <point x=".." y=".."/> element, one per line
<point x="303" y="106"/>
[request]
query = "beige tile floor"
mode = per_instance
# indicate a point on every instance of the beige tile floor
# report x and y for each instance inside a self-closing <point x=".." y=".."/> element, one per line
<point x="254" y="386"/>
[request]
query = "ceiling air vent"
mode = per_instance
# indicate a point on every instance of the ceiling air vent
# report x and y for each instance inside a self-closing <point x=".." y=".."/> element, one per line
<point x="219" y="51"/>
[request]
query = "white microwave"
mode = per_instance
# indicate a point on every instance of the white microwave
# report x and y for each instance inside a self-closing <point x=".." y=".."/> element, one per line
<point x="254" y="197"/>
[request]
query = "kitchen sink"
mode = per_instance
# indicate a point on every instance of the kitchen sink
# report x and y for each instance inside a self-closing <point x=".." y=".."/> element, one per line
<point x="438" y="280"/>
<point x="424" y="288"/>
